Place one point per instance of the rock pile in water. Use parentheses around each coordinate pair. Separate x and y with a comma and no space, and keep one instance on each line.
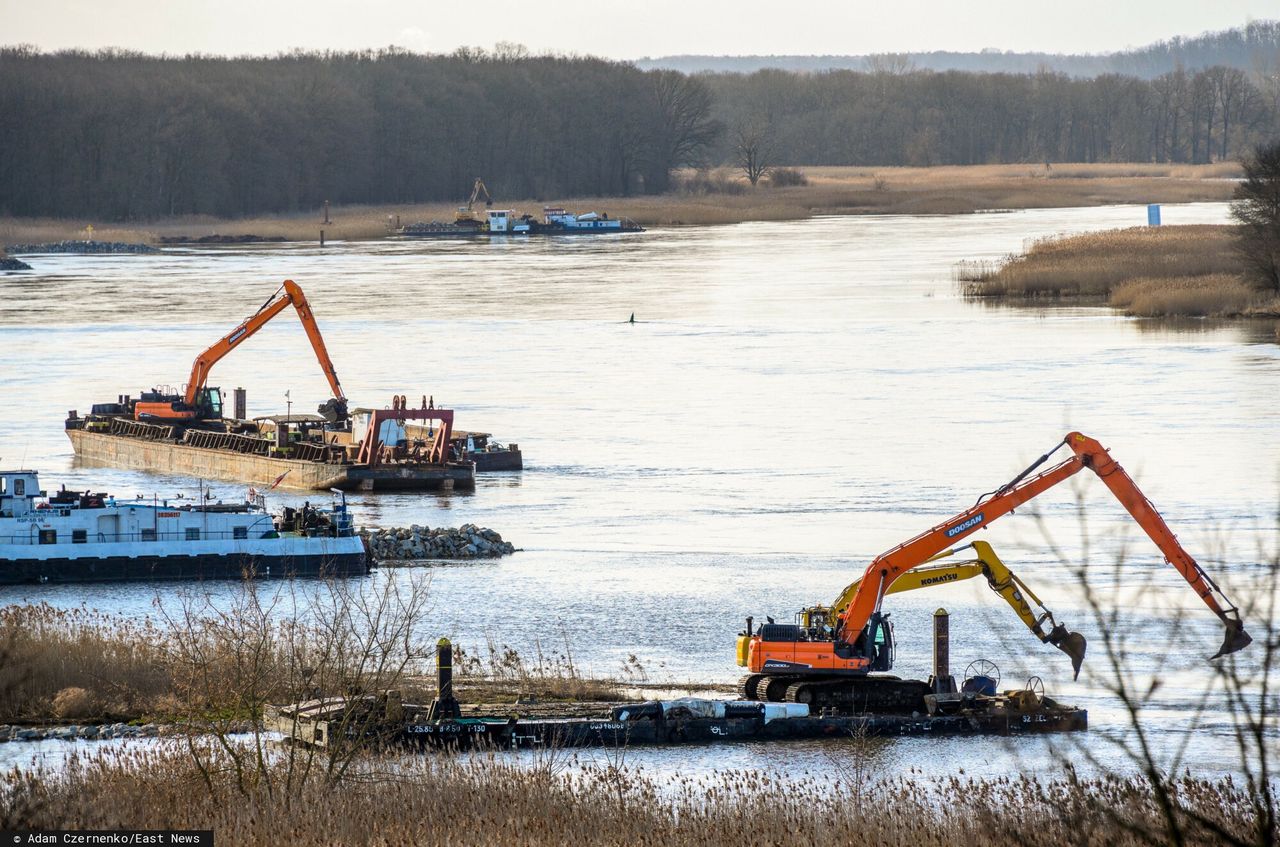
(82,247)
(420,542)
(9,264)
(103,732)
(219,239)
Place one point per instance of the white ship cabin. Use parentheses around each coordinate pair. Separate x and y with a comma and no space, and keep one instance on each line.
(29,517)
(508,221)
(558,217)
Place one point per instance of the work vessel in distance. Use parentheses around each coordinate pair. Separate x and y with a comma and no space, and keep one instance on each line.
(93,537)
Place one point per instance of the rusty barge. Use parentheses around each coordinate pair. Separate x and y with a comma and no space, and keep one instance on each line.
(186,432)
(303,452)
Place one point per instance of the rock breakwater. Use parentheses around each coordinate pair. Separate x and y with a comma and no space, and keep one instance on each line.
(107,731)
(82,247)
(10,264)
(420,542)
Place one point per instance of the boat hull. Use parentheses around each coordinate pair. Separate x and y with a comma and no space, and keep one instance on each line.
(199,566)
(168,457)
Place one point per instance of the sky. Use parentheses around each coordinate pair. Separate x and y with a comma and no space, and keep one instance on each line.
(619,29)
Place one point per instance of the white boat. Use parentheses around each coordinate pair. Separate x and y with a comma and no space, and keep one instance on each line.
(87,537)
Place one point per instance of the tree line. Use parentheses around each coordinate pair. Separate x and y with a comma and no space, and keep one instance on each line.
(1254,48)
(899,116)
(129,136)
(125,136)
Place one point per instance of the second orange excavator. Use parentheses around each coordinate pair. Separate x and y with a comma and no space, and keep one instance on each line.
(200,402)
(830,667)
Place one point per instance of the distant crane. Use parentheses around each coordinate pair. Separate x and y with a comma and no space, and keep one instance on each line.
(465,214)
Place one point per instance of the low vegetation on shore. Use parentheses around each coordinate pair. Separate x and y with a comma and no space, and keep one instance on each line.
(560,799)
(723,196)
(1165,271)
(195,664)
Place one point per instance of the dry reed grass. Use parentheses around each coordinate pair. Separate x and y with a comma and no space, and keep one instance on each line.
(81,664)
(493,801)
(721,197)
(1187,271)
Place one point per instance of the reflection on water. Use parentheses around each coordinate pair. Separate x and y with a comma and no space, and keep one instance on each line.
(793,399)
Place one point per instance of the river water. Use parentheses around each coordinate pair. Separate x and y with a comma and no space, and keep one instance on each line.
(792,399)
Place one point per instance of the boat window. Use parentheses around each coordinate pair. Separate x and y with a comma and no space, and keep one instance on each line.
(48,536)
(240,532)
(79,536)
(19,487)
(193,533)
(148,534)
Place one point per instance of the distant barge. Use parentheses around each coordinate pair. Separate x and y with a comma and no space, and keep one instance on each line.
(505,222)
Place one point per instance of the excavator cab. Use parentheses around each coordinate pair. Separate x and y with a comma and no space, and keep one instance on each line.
(876,643)
(159,407)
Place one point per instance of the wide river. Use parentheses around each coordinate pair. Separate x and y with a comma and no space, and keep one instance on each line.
(792,399)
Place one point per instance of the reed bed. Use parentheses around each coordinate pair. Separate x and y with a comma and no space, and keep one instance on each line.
(1185,271)
(83,665)
(722,196)
(432,800)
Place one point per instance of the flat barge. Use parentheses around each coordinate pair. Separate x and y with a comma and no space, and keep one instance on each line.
(301,452)
(240,458)
(335,721)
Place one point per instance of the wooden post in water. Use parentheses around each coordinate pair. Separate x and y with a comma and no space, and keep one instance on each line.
(322,238)
(942,681)
(445,705)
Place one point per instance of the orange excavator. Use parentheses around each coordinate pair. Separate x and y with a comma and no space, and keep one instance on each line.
(830,667)
(201,402)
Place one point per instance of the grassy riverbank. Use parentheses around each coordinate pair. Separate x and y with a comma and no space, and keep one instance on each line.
(557,799)
(1169,271)
(722,197)
(83,666)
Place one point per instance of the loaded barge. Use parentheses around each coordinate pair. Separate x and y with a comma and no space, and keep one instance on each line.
(185,432)
(93,537)
(297,451)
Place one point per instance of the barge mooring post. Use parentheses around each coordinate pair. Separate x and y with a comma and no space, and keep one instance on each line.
(942,682)
(445,705)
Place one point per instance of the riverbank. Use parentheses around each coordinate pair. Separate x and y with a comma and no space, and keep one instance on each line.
(722,197)
(1167,271)
(86,668)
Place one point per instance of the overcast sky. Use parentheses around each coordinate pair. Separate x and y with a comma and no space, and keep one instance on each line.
(622,29)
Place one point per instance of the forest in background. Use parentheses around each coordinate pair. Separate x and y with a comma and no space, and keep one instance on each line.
(1254,48)
(126,137)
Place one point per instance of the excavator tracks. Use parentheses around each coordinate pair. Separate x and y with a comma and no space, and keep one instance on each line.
(843,695)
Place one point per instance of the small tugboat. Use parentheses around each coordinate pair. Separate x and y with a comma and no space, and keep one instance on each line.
(92,537)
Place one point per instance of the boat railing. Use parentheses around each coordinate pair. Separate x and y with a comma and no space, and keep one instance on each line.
(146,536)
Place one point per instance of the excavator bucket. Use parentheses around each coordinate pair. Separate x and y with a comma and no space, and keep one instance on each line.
(1235,639)
(1071,643)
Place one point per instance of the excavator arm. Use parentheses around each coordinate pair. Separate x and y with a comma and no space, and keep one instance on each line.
(1000,579)
(860,603)
(292,296)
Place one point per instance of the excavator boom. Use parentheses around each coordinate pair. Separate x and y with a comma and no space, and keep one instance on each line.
(1000,579)
(858,605)
(293,296)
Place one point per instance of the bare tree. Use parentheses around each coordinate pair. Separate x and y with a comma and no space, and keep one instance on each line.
(754,146)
